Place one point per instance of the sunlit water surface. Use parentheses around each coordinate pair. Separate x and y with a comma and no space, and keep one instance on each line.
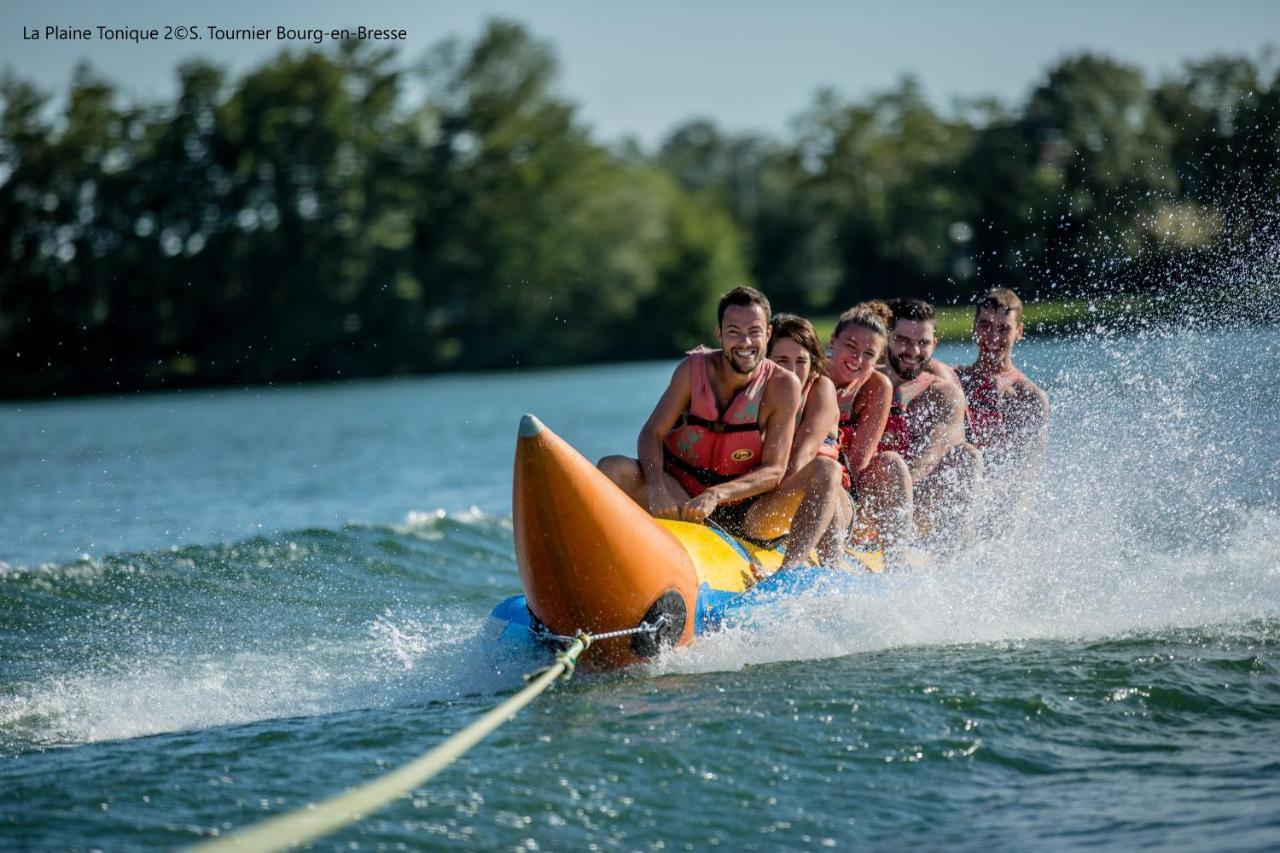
(218,606)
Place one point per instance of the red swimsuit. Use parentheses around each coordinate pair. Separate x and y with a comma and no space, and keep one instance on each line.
(984,421)
(897,436)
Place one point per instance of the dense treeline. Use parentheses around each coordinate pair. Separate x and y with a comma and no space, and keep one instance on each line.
(341,214)
(1097,181)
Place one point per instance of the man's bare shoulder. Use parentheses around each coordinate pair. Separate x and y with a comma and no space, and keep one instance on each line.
(943,392)
(1024,385)
(944,371)
(783,382)
(680,387)
(1029,392)
(941,401)
(683,369)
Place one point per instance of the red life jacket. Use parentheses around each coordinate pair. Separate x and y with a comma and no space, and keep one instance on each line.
(707,448)
(984,420)
(897,436)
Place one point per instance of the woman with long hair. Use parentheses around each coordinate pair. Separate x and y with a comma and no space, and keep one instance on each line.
(794,345)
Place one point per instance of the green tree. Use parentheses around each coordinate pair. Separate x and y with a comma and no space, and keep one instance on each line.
(1094,120)
(27,164)
(881,191)
(541,245)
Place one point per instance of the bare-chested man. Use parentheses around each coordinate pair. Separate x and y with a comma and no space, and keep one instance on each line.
(926,427)
(716,446)
(1008,419)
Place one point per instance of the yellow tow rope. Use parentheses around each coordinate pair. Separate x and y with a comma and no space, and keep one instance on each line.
(312,821)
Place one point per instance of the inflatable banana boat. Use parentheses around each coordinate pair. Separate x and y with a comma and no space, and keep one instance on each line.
(592,560)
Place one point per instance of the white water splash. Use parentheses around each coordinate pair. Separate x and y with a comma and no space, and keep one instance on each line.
(1159,508)
(1048,590)
(405,659)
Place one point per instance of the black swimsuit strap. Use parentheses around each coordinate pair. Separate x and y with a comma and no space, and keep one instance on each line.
(705,476)
(720,426)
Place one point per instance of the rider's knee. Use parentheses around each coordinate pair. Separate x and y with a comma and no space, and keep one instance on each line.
(616,468)
(825,471)
(889,467)
(968,457)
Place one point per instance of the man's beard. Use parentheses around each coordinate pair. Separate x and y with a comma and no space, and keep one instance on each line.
(733,363)
(916,371)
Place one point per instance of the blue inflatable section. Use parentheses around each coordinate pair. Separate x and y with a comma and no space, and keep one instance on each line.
(510,624)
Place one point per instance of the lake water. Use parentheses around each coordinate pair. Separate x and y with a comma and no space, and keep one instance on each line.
(218,606)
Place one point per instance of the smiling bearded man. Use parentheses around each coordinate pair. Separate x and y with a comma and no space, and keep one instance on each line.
(716,446)
(926,427)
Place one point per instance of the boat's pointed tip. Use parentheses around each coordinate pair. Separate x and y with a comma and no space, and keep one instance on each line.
(530,426)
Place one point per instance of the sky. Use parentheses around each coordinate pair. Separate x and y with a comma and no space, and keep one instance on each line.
(642,68)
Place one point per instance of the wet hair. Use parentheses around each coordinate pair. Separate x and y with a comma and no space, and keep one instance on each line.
(745,297)
(916,310)
(1000,299)
(873,315)
(801,331)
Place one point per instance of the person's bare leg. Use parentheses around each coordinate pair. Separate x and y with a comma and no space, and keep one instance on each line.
(831,545)
(625,473)
(946,499)
(1006,501)
(804,503)
(885,503)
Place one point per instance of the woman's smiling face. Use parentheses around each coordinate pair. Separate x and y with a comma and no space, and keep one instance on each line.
(791,355)
(854,354)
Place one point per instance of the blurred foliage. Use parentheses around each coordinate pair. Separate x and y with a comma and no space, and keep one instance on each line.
(1045,317)
(340,214)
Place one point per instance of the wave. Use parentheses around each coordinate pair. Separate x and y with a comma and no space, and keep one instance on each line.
(1158,510)
(311,622)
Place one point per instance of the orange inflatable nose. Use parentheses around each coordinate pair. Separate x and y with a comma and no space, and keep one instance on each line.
(590,558)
